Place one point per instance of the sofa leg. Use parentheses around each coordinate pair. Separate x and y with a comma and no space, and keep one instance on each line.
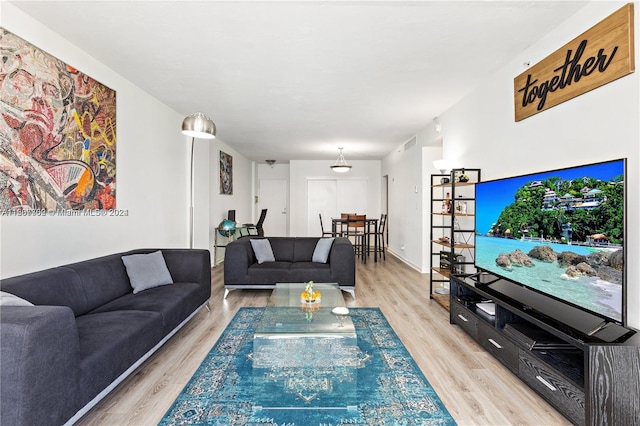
(226,291)
(208,307)
(352,293)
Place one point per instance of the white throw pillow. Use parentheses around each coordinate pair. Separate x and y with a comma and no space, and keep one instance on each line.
(263,251)
(147,271)
(323,247)
(8,299)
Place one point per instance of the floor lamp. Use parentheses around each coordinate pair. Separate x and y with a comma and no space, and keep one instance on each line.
(196,125)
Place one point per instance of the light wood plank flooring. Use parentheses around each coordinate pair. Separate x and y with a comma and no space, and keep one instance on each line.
(475,388)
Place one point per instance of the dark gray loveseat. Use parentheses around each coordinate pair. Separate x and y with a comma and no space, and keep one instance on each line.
(88,331)
(293,263)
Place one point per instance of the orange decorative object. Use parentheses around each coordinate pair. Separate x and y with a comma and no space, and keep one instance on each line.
(305,296)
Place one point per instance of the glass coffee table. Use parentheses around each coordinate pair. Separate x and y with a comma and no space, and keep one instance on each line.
(288,317)
(302,351)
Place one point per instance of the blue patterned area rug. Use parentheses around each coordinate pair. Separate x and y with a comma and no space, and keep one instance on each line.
(309,382)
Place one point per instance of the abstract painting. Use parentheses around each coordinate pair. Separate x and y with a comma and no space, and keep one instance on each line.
(57,133)
(226,174)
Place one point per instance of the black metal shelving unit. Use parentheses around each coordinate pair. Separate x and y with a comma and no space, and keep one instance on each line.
(452,234)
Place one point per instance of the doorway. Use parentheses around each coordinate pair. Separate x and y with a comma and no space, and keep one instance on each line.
(273,195)
(330,197)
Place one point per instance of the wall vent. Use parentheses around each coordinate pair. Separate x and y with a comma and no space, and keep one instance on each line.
(410,143)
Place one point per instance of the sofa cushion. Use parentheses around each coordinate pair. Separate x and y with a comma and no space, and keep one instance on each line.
(321,252)
(110,342)
(8,299)
(175,303)
(270,273)
(283,248)
(147,271)
(310,271)
(103,279)
(304,248)
(262,250)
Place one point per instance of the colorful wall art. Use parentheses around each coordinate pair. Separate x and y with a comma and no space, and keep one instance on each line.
(57,133)
(226,174)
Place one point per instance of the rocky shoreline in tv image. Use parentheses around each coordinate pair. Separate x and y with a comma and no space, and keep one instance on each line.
(589,277)
(605,265)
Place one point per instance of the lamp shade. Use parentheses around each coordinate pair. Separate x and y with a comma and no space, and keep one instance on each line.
(442,165)
(341,165)
(199,125)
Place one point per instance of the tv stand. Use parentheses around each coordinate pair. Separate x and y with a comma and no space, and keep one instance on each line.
(588,369)
(597,328)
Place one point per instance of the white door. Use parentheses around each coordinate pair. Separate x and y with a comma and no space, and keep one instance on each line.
(321,199)
(331,197)
(273,194)
(352,196)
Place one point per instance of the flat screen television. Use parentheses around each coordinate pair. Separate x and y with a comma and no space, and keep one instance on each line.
(560,233)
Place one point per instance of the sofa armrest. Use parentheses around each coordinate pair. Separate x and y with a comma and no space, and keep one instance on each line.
(238,256)
(190,266)
(343,262)
(39,375)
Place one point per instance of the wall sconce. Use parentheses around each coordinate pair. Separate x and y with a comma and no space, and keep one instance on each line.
(436,125)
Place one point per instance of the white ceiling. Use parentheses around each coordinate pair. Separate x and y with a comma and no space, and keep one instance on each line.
(297,79)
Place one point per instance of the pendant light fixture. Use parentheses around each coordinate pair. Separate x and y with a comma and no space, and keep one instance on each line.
(341,166)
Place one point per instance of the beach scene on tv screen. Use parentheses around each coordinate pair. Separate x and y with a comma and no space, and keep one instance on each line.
(558,232)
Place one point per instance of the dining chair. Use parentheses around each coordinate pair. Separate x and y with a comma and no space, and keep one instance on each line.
(324,234)
(257,228)
(343,225)
(356,229)
(382,225)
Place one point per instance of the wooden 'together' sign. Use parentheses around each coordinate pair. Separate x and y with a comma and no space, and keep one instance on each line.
(601,54)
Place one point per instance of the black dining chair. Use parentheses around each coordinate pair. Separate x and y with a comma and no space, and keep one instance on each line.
(257,228)
(382,226)
(324,233)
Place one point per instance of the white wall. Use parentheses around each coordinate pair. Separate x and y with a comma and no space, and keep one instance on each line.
(152,175)
(240,200)
(409,218)
(600,125)
(301,171)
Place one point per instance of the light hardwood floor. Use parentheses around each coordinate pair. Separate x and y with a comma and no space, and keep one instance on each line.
(475,388)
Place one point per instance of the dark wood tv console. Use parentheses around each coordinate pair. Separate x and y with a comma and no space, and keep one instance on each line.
(589,371)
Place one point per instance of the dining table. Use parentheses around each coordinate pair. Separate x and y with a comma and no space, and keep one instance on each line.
(370,228)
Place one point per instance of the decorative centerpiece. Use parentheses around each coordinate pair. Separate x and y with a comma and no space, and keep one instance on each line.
(309,295)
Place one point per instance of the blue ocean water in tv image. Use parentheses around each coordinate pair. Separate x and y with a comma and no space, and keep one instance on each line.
(591,293)
(560,232)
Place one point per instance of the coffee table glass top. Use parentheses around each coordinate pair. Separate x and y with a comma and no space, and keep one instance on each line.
(306,352)
(287,315)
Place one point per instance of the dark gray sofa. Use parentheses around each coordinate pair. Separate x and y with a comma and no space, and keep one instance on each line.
(88,331)
(293,264)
